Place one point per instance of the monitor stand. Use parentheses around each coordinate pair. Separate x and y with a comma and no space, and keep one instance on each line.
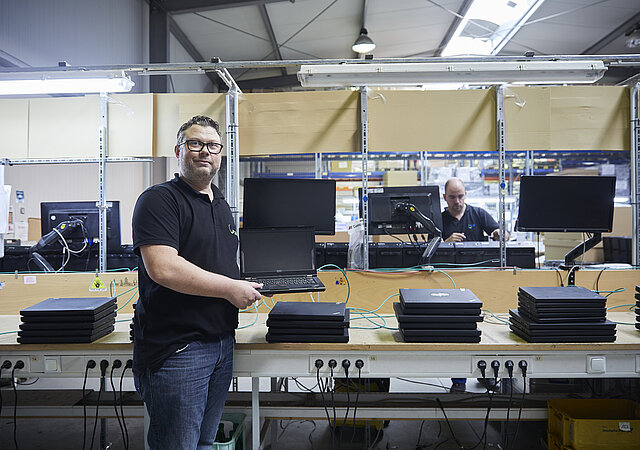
(569,258)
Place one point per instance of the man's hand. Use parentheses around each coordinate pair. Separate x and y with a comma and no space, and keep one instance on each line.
(243,294)
(456,237)
(495,235)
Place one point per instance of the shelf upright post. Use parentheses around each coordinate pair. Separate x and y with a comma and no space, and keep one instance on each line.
(318,164)
(233,164)
(103,149)
(500,146)
(635,174)
(423,168)
(364,149)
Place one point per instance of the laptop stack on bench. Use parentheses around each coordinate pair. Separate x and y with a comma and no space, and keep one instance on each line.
(67,320)
(308,322)
(561,314)
(438,315)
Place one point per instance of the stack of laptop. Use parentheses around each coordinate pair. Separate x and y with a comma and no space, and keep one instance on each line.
(561,314)
(638,307)
(62,320)
(438,315)
(308,322)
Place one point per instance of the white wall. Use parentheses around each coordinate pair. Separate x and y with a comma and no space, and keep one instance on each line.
(79,182)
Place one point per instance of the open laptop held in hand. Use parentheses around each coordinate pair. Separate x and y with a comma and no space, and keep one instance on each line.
(282,259)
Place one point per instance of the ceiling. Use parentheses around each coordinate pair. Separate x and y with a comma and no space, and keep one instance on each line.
(248,30)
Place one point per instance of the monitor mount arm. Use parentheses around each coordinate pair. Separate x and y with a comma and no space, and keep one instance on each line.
(569,258)
(410,210)
(63,229)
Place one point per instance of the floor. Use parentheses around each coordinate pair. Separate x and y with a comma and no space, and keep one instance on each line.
(59,434)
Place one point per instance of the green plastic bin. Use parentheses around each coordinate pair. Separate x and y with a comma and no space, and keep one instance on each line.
(237,441)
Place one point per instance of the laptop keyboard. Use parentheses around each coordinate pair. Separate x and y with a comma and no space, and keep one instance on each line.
(286,281)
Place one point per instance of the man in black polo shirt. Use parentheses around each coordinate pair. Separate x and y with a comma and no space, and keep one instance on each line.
(185,237)
(462,222)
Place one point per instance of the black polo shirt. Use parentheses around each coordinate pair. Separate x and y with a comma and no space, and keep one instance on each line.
(473,223)
(203,232)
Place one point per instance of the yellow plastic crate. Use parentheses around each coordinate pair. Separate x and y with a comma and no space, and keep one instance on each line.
(593,424)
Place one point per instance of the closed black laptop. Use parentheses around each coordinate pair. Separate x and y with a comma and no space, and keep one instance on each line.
(451,315)
(308,311)
(560,328)
(64,339)
(556,293)
(282,259)
(438,299)
(86,306)
(344,337)
(274,323)
(55,325)
(440,339)
(70,317)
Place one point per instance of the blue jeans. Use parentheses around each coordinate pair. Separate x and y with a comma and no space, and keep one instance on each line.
(185,397)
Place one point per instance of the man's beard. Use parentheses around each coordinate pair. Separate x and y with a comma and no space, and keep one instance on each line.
(197,174)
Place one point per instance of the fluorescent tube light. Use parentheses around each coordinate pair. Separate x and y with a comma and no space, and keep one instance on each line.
(64,82)
(478,73)
(488,25)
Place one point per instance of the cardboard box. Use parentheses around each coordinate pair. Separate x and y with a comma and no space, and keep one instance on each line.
(35,230)
(341,166)
(400,178)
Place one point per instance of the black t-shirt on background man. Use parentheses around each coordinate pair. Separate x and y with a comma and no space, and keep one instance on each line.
(203,232)
(473,223)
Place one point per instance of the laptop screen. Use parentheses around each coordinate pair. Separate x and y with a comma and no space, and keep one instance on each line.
(277,251)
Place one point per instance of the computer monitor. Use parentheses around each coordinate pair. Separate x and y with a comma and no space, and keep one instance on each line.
(566,203)
(290,202)
(53,213)
(384,216)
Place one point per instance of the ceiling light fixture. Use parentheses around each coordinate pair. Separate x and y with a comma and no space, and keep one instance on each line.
(363,44)
(478,73)
(488,25)
(64,82)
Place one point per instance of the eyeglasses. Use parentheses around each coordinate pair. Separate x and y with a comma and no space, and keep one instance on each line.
(196,146)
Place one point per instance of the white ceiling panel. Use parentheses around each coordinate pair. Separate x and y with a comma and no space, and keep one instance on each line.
(571,26)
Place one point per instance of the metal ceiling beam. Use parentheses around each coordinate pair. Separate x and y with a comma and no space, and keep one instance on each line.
(191,49)
(272,37)
(187,6)
(612,36)
(453,27)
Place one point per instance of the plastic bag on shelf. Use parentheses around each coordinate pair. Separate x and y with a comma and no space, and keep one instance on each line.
(355,255)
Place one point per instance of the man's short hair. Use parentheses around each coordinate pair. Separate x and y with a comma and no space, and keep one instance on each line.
(203,121)
(453,180)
